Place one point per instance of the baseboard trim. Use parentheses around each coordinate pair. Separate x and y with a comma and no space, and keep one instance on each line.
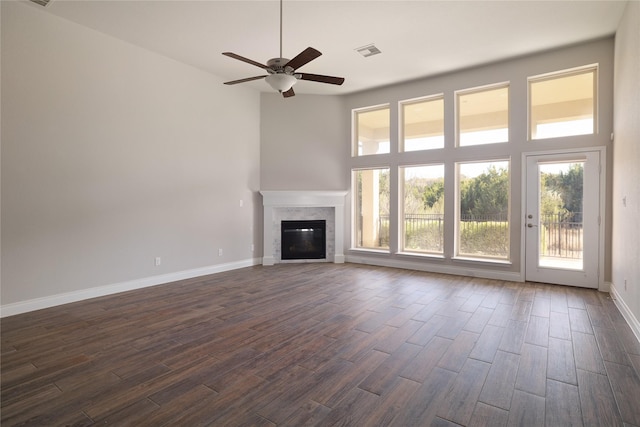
(432,268)
(268,260)
(626,312)
(69,297)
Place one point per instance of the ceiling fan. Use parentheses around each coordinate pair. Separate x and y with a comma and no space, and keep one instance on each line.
(281,72)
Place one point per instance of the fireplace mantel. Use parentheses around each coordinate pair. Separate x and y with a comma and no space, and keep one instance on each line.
(273,200)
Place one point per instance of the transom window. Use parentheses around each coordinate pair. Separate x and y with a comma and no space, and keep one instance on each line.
(562,104)
(371,131)
(483,116)
(422,124)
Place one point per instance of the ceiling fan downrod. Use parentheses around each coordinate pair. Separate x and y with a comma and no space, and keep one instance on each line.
(280,28)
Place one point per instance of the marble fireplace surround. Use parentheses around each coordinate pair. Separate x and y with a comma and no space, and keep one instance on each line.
(280,205)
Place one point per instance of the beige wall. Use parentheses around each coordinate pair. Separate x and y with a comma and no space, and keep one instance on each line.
(112,156)
(626,166)
(302,142)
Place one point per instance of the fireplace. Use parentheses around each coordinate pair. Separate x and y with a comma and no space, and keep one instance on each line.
(303,239)
(282,206)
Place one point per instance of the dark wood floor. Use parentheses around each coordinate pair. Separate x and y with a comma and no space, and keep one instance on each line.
(325,344)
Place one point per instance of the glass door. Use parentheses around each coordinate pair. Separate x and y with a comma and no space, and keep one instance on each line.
(562,223)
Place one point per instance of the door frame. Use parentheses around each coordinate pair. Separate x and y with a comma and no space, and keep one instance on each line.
(601,205)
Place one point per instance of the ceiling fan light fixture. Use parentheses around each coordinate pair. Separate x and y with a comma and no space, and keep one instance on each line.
(280,81)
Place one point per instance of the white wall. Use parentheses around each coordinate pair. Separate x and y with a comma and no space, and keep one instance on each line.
(626,167)
(303,143)
(112,156)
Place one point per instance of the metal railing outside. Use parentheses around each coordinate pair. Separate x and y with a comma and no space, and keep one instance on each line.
(561,235)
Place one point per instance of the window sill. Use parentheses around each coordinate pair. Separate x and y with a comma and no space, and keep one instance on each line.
(371,251)
(420,255)
(483,260)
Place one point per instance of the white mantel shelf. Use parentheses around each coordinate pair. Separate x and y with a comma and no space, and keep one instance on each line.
(272,200)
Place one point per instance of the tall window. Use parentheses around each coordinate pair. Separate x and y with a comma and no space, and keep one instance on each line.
(483,116)
(562,104)
(371,203)
(371,131)
(422,124)
(423,208)
(483,210)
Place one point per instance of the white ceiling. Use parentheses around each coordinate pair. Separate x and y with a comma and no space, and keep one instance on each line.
(417,38)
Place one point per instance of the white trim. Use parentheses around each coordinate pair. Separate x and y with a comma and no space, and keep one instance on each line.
(602,179)
(268,260)
(80,295)
(626,312)
(433,268)
(272,200)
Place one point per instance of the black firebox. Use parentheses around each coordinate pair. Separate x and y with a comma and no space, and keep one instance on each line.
(304,239)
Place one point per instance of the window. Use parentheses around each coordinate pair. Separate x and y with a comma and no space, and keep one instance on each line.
(371,203)
(371,131)
(422,124)
(483,210)
(423,208)
(483,116)
(562,104)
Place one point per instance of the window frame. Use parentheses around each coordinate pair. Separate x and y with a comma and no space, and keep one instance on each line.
(401,122)
(457,214)
(355,210)
(594,68)
(401,213)
(355,128)
(469,91)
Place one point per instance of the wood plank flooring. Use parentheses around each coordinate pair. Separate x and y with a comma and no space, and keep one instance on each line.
(325,344)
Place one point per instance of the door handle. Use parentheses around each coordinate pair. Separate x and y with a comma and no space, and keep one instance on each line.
(531,225)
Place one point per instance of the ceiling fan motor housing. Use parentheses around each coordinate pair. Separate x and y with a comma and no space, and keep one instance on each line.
(278,65)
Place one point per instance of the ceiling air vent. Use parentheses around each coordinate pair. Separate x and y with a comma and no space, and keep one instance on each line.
(368,50)
(43,3)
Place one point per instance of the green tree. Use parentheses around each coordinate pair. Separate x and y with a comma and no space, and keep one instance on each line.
(432,193)
(568,186)
(486,194)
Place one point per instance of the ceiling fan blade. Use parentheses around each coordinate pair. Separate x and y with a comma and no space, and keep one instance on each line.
(304,57)
(243,59)
(289,93)
(248,79)
(322,79)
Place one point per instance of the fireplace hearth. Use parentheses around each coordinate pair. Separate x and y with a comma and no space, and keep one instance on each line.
(303,239)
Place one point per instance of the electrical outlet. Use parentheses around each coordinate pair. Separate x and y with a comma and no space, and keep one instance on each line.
(252,247)
(241,203)
(220,252)
(158,261)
